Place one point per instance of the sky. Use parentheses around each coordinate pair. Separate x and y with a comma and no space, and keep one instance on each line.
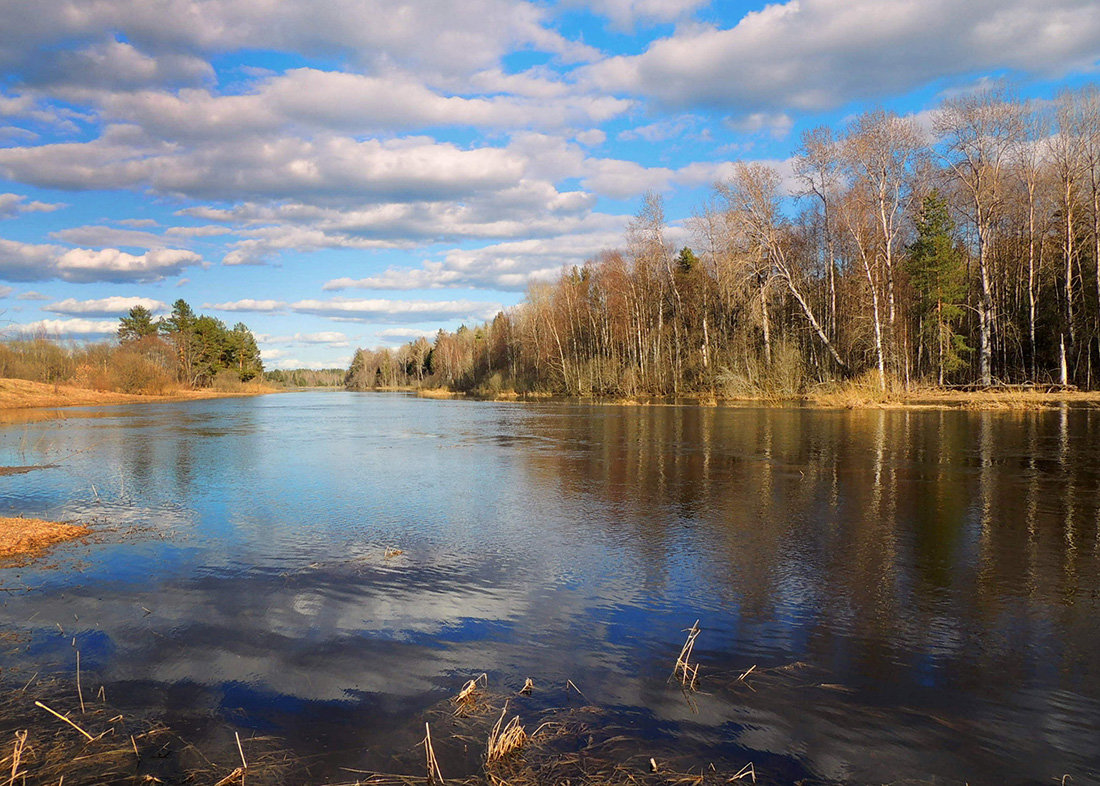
(356,173)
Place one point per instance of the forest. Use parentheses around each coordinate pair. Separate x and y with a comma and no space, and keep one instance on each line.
(185,350)
(959,249)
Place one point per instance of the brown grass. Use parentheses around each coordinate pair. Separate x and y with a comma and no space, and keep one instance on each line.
(24,394)
(865,393)
(438,393)
(684,670)
(505,739)
(29,536)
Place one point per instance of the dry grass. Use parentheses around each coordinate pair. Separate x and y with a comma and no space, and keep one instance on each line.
(865,392)
(437,393)
(467,700)
(19,537)
(684,670)
(505,739)
(24,394)
(582,746)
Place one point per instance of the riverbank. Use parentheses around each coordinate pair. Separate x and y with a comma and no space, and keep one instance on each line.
(827,397)
(19,394)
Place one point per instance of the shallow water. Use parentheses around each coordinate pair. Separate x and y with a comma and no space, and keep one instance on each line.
(919,591)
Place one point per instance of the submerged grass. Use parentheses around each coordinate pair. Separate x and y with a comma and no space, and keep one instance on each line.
(21,537)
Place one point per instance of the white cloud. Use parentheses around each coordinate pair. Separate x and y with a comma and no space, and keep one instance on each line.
(103,307)
(404,334)
(101,236)
(117,65)
(383,310)
(39,262)
(627,14)
(329,338)
(248,305)
(502,266)
(5,291)
(305,99)
(808,55)
(13,204)
(68,328)
(395,170)
(465,35)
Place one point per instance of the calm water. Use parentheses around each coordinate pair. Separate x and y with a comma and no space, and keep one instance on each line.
(919,591)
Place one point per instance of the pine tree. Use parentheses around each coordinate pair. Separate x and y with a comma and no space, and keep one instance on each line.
(137,325)
(936,270)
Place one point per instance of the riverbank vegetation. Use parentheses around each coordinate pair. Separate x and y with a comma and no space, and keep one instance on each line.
(19,536)
(176,355)
(888,257)
(306,377)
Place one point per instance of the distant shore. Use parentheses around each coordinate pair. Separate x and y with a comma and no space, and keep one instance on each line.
(831,398)
(22,394)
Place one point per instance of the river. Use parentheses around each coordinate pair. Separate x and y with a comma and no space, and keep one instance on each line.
(916,592)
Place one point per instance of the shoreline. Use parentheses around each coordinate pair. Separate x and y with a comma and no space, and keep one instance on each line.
(22,399)
(919,399)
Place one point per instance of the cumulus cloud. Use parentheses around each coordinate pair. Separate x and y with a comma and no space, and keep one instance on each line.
(14,204)
(41,262)
(260,306)
(404,334)
(330,338)
(69,328)
(117,65)
(102,236)
(806,55)
(397,311)
(371,170)
(305,99)
(627,14)
(104,307)
(376,33)
(510,266)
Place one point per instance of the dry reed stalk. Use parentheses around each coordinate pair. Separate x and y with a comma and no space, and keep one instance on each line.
(528,686)
(17,755)
(430,761)
(62,717)
(752,668)
(748,771)
(468,694)
(683,669)
(237,773)
(505,740)
(79,692)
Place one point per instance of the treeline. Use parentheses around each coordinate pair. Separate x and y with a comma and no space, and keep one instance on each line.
(964,253)
(199,348)
(306,377)
(182,350)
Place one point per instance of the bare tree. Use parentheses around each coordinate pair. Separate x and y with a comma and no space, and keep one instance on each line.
(979,133)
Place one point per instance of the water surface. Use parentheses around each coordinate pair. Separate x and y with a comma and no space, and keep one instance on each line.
(918,590)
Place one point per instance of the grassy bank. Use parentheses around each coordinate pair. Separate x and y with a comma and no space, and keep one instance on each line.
(838,396)
(25,394)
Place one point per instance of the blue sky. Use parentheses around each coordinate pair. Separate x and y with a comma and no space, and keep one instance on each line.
(343,173)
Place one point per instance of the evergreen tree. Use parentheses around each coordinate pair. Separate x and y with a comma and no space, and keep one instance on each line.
(936,270)
(243,354)
(136,325)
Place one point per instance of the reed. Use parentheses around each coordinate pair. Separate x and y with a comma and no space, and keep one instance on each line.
(505,738)
(431,763)
(684,670)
